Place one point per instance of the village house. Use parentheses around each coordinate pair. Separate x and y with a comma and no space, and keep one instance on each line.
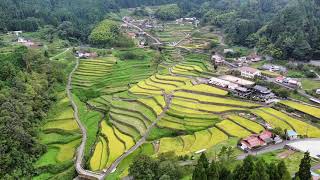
(291,134)
(192,20)
(280,79)
(83,54)
(254,57)
(291,82)
(262,89)
(217,59)
(273,68)
(222,83)
(251,142)
(249,72)
(257,140)
(225,51)
(236,80)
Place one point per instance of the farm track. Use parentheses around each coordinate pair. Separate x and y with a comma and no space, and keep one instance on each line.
(80,151)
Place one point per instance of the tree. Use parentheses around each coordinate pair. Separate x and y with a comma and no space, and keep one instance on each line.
(244,171)
(261,170)
(213,171)
(168,12)
(143,168)
(201,169)
(283,171)
(304,168)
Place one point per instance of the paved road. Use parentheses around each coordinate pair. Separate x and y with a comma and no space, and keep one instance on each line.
(141,30)
(168,98)
(271,148)
(80,151)
(300,91)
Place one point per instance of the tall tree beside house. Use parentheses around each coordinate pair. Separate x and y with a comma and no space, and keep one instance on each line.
(304,168)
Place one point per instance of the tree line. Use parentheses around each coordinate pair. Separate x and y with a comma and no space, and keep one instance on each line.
(224,166)
(280,28)
(251,168)
(76,17)
(28,84)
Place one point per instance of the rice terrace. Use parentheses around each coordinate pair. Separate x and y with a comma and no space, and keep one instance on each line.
(193,90)
(128,107)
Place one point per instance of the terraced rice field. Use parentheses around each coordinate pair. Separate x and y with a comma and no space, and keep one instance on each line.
(174,32)
(91,71)
(204,89)
(158,84)
(198,106)
(61,135)
(299,126)
(303,108)
(213,100)
(112,143)
(191,143)
(233,129)
(271,120)
(252,126)
(185,123)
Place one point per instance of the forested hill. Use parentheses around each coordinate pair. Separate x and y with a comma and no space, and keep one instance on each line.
(76,16)
(281,28)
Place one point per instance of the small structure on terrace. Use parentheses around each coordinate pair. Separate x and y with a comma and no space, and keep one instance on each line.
(218,59)
(291,134)
(84,54)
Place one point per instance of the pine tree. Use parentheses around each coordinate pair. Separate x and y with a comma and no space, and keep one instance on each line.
(201,169)
(273,172)
(304,168)
(261,170)
(213,171)
(283,171)
(246,169)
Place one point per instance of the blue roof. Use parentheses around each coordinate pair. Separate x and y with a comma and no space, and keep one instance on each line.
(292,133)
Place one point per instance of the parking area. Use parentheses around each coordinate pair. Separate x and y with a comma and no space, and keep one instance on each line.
(313,146)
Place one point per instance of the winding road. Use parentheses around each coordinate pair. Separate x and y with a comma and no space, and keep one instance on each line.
(80,151)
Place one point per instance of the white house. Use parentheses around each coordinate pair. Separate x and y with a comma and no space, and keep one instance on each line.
(318,91)
(249,72)
(217,59)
